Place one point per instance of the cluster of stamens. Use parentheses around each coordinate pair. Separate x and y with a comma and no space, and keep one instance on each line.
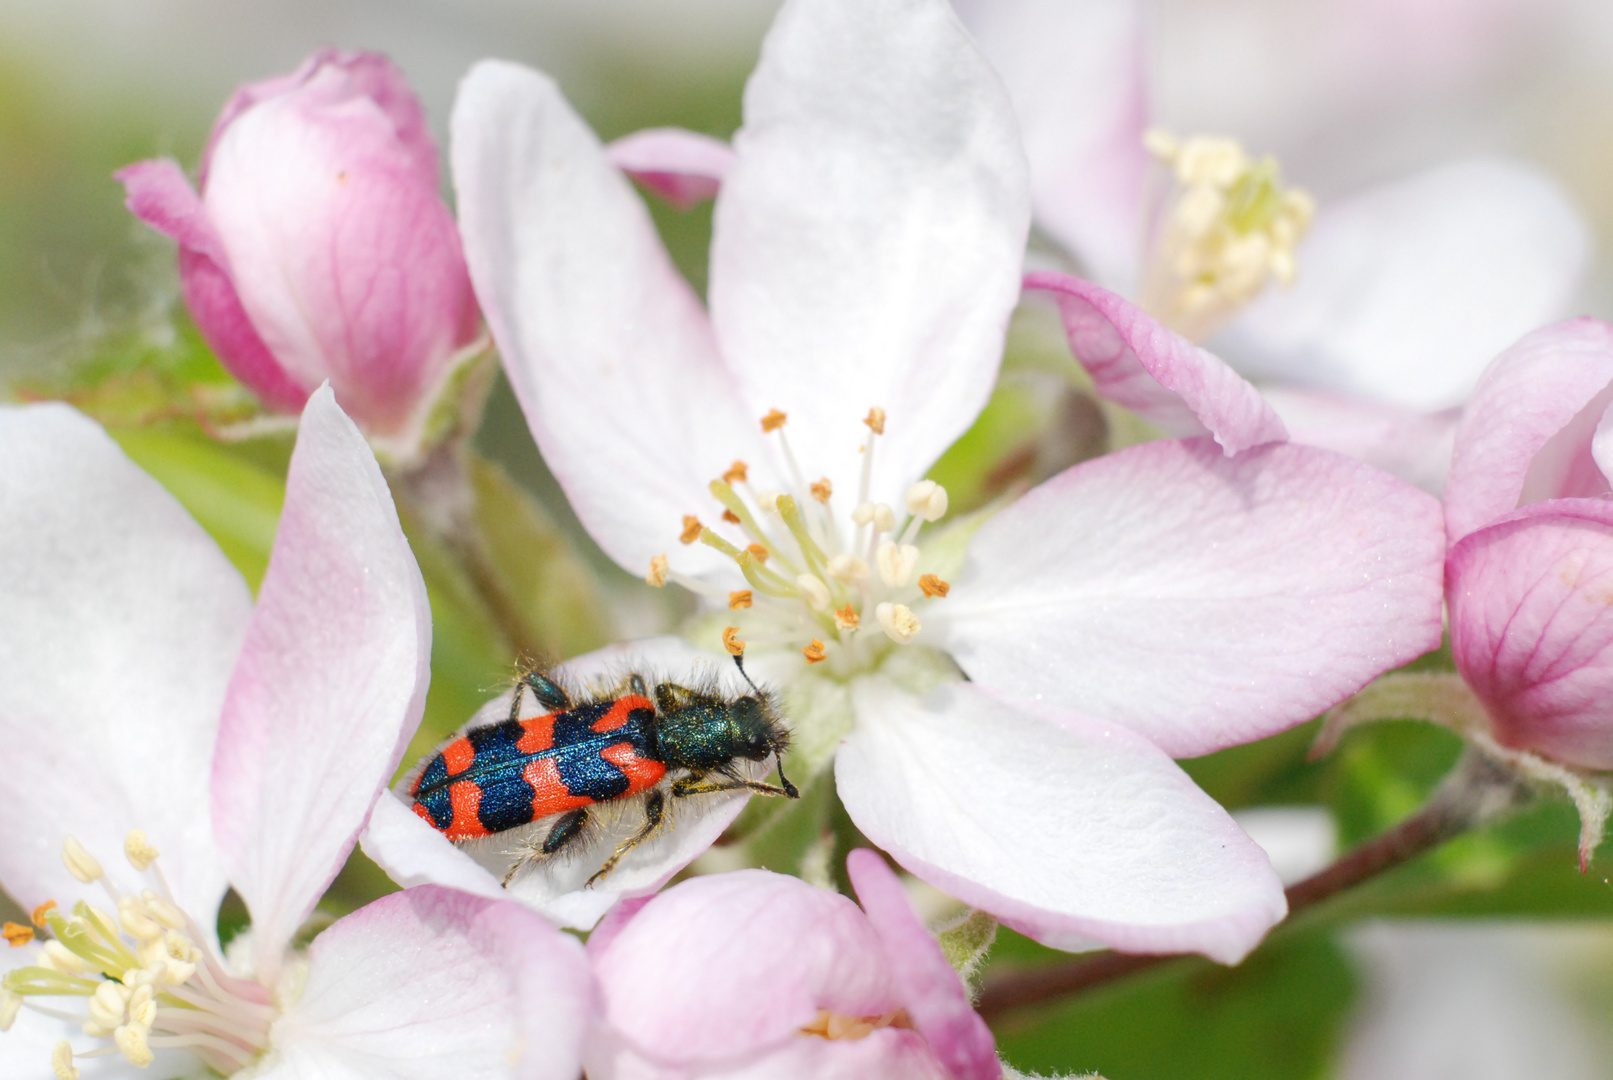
(833,1025)
(1228,228)
(147,981)
(809,577)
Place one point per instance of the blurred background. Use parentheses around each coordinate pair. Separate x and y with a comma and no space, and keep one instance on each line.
(1497,958)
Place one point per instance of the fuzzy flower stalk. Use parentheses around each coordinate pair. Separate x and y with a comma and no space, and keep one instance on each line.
(318,247)
(167,738)
(767,451)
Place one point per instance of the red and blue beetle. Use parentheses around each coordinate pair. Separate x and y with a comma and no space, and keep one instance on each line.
(602,749)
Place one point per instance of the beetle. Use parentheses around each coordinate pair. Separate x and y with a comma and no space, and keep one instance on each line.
(587,750)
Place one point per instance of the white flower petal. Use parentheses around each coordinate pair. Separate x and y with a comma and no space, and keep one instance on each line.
(1077,76)
(869,237)
(1200,600)
(1407,290)
(432,983)
(1066,829)
(1413,445)
(330,685)
(606,347)
(120,620)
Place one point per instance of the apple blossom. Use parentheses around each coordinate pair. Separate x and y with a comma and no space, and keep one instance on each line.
(1402,291)
(845,992)
(867,253)
(319,247)
(149,707)
(1529,572)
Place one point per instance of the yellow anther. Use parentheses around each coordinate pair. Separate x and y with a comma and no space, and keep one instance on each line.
(106,1005)
(731,517)
(875,420)
(848,568)
(139,851)
(822,490)
(846,619)
(814,653)
(739,598)
(933,586)
(737,473)
(61,1060)
(813,591)
(927,499)
(773,420)
(898,622)
(758,552)
(135,920)
(658,571)
(131,1039)
(691,529)
(731,641)
(17,934)
(42,912)
(896,562)
(163,911)
(79,862)
(884,518)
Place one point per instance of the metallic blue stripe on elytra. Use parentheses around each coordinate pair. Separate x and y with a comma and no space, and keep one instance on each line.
(506,802)
(440,805)
(434,776)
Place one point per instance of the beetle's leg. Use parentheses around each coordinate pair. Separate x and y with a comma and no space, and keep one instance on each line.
(515,702)
(548,692)
(561,833)
(652,818)
(699,785)
(635,684)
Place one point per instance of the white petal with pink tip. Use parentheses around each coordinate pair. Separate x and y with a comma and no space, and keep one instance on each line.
(1200,600)
(1066,829)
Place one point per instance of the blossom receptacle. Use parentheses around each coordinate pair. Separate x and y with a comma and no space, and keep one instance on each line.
(319,246)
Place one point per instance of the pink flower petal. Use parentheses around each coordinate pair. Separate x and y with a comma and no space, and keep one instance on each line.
(889,1053)
(1531,603)
(1155,372)
(783,948)
(1200,600)
(1077,74)
(159,195)
(1066,829)
(329,687)
(931,991)
(683,167)
(605,345)
(431,983)
(1531,418)
(869,237)
(1415,446)
(120,620)
(1406,290)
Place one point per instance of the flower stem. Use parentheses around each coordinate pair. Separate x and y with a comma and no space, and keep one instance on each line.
(1476,792)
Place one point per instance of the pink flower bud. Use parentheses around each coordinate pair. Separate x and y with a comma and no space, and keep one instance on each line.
(319,247)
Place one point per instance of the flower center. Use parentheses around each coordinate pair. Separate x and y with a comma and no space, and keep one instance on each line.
(148,980)
(818,582)
(833,1025)
(1228,227)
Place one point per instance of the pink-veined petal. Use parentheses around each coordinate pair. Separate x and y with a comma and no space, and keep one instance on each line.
(683,167)
(1066,829)
(931,990)
(433,983)
(606,347)
(1415,446)
(1531,418)
(120,621)
(330,685)
(159,195)
(784,949)
(1200,600)
(1155,372)
(1531,603)
(412,852)
(889,1053)
(1407,290)
(1077,77)
(869,237)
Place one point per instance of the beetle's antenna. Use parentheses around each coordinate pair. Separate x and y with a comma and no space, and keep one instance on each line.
(739,662)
